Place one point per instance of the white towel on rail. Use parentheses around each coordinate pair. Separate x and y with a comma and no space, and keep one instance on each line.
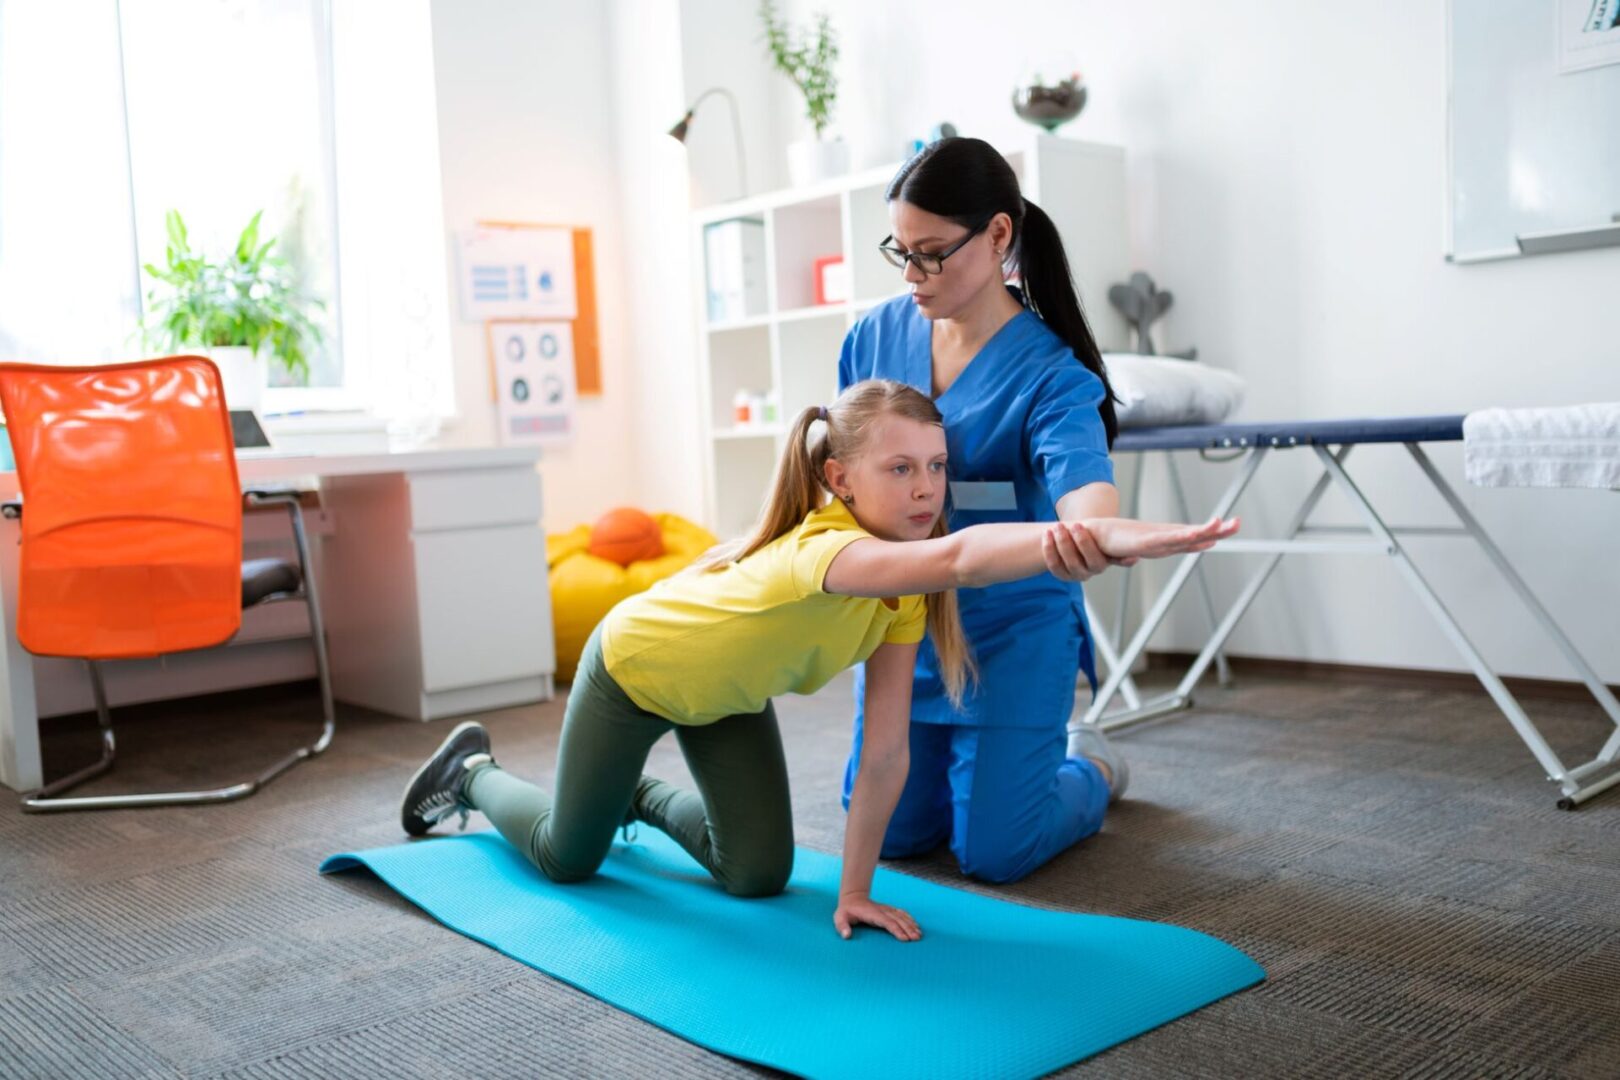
(1570,446)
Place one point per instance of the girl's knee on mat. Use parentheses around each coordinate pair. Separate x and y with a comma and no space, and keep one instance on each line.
(564,875)
(757,880)
(565,872)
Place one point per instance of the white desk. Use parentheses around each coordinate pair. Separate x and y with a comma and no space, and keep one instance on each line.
(432,573)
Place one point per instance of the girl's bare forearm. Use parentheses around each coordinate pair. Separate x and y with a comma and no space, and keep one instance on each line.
(871,804)
(991,554)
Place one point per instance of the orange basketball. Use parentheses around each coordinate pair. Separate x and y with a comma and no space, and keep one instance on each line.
(625,536)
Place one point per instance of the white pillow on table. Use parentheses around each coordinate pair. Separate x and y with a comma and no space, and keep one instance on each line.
(1158,391)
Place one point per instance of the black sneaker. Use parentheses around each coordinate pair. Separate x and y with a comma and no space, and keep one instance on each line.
(434,793)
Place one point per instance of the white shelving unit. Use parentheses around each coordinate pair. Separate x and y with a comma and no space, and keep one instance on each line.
(792,347)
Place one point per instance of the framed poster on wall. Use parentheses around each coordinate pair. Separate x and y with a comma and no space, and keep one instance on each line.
(587,340)
(532,367)
(1588,34)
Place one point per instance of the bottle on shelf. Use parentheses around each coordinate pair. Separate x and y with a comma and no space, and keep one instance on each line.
(742,409)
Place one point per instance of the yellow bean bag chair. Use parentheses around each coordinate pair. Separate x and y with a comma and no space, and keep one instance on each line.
(584,588)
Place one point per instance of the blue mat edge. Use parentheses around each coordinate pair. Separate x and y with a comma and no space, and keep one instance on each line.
(346,861)
(351,861)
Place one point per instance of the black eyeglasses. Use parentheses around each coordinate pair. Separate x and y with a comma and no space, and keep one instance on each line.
(930,263)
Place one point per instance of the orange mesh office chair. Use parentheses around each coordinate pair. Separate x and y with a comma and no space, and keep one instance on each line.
(132,535)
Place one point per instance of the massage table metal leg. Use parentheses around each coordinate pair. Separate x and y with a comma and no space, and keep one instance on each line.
(1189,563)
(1102,643)
(1252,589)
(1223,671)
(1505,701)
(1609,756)
(1131,509)
(1102,638)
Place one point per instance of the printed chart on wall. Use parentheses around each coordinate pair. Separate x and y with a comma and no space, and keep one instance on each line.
(515,271)
(535,391)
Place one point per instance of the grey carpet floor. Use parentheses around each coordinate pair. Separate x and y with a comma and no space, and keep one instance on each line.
(1392,857)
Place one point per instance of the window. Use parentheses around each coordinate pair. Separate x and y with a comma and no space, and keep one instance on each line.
(229,104)
(67,255)
(321,113)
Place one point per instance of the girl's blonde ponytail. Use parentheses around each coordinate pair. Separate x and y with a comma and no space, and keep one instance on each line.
(796,490)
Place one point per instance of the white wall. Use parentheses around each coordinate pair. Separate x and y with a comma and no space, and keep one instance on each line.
(655,201)
(722,43)
(527,133)
(1288,175)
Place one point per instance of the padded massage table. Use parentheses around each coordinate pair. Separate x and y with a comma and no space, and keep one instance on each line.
(1331,441)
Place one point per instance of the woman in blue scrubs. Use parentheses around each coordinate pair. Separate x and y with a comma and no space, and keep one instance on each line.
(1029,418)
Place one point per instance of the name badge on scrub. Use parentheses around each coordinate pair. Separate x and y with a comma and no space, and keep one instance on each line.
(983,495)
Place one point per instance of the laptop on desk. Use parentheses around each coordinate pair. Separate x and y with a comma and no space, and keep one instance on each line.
(250,438)
(247,432)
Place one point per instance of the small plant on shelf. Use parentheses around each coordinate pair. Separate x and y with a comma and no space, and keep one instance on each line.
(807,59)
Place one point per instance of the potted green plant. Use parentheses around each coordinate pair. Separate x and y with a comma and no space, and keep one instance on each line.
(231,310)
(808,59)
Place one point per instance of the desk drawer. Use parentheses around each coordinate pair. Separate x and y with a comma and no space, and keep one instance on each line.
(484,606)
(472,498)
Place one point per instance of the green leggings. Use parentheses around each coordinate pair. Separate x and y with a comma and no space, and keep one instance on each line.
(738,824)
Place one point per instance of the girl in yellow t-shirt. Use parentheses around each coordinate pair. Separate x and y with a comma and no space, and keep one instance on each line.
(812,590)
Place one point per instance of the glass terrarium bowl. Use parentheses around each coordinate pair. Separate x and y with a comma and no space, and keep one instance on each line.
(1049,103)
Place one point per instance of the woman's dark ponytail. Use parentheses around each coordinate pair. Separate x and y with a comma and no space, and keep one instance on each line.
(969,182)
(1048,286)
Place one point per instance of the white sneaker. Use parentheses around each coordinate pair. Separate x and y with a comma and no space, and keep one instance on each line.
(1087,740)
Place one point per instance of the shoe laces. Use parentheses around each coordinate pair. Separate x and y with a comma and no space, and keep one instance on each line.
(440,805)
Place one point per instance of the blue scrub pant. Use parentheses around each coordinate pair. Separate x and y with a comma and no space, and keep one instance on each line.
(1006,797)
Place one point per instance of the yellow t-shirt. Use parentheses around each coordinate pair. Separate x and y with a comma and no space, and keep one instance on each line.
(708,644)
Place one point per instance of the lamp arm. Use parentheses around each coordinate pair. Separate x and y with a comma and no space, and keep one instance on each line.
(736,127)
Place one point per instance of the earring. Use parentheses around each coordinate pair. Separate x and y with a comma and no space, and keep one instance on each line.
(848,499)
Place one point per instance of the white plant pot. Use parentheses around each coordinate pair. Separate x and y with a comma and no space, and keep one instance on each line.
(245,375)
(813,160)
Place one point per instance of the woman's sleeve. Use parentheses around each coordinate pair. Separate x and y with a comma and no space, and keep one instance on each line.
(1068,444)
(847,375)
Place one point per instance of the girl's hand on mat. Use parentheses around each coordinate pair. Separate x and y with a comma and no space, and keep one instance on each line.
(1124,538)
(1072,552)
(858,909)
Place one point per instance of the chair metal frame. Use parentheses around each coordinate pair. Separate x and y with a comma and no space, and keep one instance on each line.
(47,799)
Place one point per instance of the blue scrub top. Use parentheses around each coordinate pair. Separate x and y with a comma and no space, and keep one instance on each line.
(1022,430)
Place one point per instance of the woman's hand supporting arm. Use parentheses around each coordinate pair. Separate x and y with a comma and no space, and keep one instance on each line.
(879,778)
(1080,558)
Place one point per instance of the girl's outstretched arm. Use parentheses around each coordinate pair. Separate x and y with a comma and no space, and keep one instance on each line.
(987,554)
(880,776)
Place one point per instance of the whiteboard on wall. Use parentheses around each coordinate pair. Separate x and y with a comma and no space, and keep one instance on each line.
(1534,128)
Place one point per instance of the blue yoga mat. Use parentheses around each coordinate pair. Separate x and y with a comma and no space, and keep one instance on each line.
(992,989)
